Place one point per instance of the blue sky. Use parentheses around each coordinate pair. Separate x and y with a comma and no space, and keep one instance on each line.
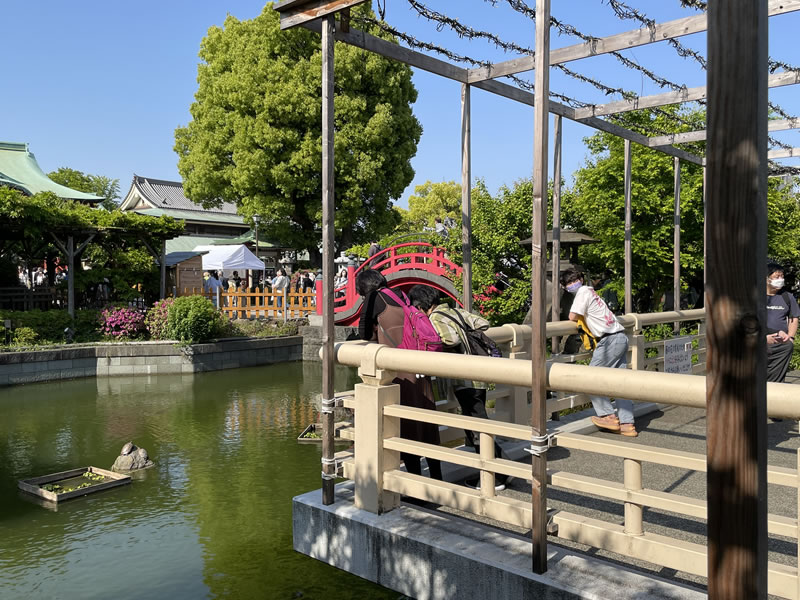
(101,86)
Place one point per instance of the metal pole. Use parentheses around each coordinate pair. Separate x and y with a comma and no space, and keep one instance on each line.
(736,313)
(628,249)
(466,198)
(556,287)
(676,274)
(328,467)
(541,125)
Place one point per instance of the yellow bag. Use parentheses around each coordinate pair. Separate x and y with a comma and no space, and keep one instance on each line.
(589,341)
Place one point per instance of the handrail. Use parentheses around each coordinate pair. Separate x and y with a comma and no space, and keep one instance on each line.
(783,400)
(635,321)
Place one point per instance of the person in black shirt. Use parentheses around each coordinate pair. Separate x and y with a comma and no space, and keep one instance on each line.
(782,314)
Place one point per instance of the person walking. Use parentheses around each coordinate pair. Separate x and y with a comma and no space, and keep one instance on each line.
(279,284)
(591,312)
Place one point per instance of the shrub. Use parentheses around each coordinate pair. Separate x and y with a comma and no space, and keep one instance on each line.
(156,319)
(122,322)
(24,336)
(49,325)
(259,328)
(193,319)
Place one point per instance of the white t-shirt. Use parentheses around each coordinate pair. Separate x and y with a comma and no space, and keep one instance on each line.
(598,316)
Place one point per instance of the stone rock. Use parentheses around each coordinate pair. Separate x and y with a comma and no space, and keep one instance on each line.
(132,458)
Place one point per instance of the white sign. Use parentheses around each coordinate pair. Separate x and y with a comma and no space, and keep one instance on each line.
(678,355)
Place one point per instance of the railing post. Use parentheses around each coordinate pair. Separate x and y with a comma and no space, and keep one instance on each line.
(517,410)
(318,289)
(797,577)
(637,351)
(285,302)
(487,477)
(632,480)
(371,460)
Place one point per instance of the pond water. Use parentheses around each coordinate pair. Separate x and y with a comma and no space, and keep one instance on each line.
(212,519)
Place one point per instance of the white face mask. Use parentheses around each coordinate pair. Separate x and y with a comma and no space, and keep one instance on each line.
(776,283)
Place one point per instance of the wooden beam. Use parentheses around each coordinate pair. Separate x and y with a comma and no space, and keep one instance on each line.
(736,313)
(621,41)
(298,12)
(628,221)
(412,58)
(541,126)
(328,272)
(676,97)
(466,197)
(514,93)
(700,135)
(784,153)
(555,313)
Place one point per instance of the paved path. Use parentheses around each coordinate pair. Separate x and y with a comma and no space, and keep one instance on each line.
(676,428)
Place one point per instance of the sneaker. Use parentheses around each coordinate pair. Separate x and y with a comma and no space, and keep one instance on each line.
(608,422)
(475,484)
(628,429)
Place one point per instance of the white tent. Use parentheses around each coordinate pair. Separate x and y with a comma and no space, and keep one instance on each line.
(226,258)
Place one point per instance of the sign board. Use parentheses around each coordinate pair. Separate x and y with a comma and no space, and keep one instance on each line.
(678,355)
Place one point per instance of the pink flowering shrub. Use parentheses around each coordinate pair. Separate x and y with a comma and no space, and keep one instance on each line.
(156,319)
(122,322)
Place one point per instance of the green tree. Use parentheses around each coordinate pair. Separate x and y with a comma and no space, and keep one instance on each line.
(99,185)
(431,200)
(596,206)
(255,135)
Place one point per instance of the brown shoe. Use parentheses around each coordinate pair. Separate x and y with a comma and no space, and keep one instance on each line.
(608,422)
(628,429)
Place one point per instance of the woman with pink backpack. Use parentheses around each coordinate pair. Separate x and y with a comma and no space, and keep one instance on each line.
(384,320)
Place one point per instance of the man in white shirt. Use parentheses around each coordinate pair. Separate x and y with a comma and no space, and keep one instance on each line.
(611,350)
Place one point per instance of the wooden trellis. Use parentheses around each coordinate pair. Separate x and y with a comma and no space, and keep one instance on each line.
(735,193)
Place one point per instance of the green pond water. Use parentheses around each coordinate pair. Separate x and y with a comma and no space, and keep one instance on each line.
(212,519)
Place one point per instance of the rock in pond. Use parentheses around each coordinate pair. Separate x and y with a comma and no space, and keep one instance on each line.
(132,458)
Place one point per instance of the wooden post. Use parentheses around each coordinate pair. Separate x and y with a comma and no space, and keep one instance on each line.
(71,277)
(328,468)
(163,263)
(736,314)
(466,198)
(628,249)
(556,252)
(541,125)
(676,220)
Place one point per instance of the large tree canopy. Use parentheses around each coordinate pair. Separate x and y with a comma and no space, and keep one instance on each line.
(255,136)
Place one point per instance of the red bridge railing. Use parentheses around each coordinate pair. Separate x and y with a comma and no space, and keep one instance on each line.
(411,257)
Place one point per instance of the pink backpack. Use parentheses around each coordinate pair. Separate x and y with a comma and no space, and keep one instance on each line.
(418,332)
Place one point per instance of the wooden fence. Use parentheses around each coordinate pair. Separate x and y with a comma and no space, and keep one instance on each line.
(260,302)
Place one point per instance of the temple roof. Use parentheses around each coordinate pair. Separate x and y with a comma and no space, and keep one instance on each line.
(168,198)
(19,170)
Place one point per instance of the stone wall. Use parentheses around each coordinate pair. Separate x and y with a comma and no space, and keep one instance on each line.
(312,339)
(144,358)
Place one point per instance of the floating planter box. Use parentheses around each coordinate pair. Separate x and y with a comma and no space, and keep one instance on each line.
(313,433)
(57,487)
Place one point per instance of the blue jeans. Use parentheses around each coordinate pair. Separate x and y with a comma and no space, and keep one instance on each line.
(612,352)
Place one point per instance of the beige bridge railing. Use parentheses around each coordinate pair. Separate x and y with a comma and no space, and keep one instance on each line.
(379,482)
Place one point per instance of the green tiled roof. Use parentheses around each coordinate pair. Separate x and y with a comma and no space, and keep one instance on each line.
(187,243)
(192,215)
(19,169)
(250,237)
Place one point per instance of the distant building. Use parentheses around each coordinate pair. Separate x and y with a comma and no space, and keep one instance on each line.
(20,171)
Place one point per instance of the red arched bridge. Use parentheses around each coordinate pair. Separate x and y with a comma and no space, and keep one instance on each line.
(403,266)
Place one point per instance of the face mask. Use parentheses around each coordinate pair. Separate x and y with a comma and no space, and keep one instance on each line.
(574,287)
(776,283)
